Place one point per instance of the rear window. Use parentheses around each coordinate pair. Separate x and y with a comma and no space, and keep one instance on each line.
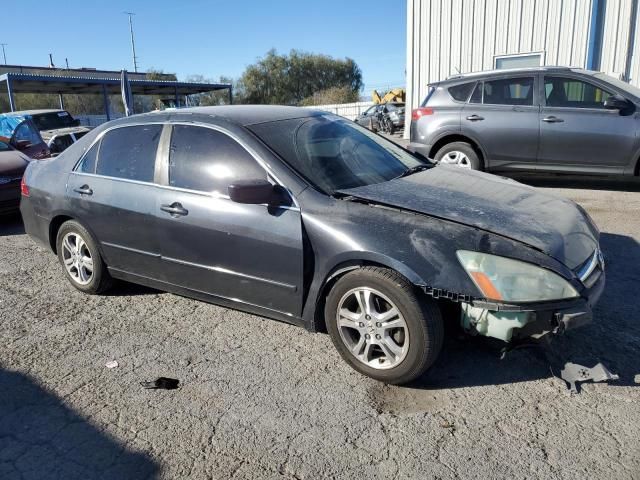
(429,93)
(53,120)
(461,93)
(129,152)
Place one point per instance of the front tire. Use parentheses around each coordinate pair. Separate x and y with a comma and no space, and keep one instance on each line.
(381,327)
(79,256)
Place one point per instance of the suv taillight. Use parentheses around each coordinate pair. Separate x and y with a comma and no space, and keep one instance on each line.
(24,190)
(421,112)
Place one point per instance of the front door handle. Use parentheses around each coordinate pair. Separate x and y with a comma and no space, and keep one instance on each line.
(552,119)
(475,118)
(84,190)
(175,209)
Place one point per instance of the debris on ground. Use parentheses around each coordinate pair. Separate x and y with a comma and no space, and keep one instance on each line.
(572,373)
(162,383)
(111,364)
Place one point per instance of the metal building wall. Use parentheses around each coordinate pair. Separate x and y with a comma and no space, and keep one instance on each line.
(445,37)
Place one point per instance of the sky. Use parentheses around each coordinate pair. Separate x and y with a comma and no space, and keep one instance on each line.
(209,38)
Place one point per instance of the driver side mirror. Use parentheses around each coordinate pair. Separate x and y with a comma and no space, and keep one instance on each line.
(617,102)
(257,192)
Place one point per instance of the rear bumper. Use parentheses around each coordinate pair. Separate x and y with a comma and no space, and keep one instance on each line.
(37,227)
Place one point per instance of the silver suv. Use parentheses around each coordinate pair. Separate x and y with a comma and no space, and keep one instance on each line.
(553,119)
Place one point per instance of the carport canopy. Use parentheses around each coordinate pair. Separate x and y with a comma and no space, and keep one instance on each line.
(14,83)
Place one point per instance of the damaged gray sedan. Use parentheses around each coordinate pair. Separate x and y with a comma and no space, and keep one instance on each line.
(307,218)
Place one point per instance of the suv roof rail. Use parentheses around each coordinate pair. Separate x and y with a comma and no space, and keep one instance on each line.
(510,70)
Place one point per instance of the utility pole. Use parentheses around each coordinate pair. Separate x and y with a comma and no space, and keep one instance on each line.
(4,54)
(133,45)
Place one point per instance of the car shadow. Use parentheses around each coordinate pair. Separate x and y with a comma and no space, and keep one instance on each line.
(41,437)
(613,338)
(583,182)
(11,225)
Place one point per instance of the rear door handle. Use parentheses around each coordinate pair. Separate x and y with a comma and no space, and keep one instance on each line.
(84,190)
(175,209)
(474,118)
(552,119)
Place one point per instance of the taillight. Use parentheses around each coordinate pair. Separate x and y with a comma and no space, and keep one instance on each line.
(421,112)
(24,190)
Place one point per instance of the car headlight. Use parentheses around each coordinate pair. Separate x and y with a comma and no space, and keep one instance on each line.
(500,278)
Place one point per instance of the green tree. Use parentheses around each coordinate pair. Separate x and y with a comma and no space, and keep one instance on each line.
(293,78)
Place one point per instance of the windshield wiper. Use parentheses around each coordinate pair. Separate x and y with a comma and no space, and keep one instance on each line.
(412,170)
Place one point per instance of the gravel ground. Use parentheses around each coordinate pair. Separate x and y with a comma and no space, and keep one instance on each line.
(262,399)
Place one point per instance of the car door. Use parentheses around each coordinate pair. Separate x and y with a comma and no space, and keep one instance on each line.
(251,254)
(577,133)
(502,117)
(112,193)
(369,117)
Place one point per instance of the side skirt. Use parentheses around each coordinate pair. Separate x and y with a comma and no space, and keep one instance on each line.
(206,297)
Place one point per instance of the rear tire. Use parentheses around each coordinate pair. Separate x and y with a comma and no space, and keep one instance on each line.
(460,154)
(80,258)
(394,347)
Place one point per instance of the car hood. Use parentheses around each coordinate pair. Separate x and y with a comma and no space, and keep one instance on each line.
(49,134)
(551,224)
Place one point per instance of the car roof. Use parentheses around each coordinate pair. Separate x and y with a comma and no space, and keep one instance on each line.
(37,112)
(511,71)
(246,114)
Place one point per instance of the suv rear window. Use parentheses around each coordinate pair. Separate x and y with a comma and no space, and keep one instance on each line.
(461,92)
(429,93)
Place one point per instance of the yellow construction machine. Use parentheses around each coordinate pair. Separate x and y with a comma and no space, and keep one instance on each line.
(396,95)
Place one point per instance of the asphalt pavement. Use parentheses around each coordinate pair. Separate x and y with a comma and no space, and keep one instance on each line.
(262,399)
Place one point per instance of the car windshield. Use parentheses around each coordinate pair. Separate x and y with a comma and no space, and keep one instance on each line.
(53,120)
(334,154)
(627,87)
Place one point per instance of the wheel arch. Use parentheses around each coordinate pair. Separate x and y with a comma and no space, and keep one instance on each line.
(54,226)
(343,267)
(458,137)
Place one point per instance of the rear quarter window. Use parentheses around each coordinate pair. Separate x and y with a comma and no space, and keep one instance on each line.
(461,93)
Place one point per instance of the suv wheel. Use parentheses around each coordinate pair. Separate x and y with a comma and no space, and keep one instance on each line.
(381,327)
(79,255)
(460,154)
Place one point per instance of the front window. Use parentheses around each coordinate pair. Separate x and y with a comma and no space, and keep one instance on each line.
(573,93)
(209,161)
(624,86)
(335,154)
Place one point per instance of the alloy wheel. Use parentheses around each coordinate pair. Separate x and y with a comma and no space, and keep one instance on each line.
(456,158)
(372,328)
(77,258)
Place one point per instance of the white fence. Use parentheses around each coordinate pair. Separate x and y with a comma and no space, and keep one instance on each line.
(347,110)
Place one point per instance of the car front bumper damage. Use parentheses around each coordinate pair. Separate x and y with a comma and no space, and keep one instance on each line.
(513,322)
